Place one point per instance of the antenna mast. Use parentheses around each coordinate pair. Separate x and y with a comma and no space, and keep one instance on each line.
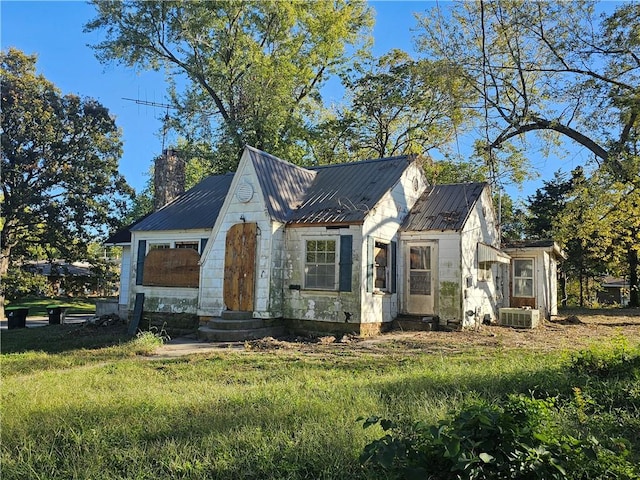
(165,120)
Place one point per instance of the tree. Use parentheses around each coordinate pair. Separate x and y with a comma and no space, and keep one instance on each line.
(61,187)
(241,72)
(549,68)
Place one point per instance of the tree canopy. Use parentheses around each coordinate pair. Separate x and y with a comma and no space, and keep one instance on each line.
(560,70)
(242,72)
(61,186)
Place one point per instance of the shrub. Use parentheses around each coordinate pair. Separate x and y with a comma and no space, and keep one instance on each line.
(516,440)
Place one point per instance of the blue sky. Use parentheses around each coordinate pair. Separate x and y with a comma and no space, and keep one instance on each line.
(54,31)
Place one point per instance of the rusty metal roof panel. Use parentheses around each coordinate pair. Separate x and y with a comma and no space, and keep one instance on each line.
(443,207)
(195,209)
(346,192)
(283,184)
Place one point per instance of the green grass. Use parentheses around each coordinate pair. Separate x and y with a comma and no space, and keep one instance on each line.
(38,306)
(103,411)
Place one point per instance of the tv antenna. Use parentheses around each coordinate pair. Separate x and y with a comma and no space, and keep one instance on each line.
(165,120)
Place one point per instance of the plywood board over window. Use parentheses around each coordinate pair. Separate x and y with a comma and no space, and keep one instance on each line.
(172,267)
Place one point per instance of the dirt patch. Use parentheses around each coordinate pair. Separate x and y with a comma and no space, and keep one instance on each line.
(574,330)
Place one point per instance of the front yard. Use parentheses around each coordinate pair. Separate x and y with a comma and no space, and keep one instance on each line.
(112,407)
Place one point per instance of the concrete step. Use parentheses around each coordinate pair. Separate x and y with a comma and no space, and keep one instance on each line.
(235,315)
(416,322)
(225,324)
(217,335)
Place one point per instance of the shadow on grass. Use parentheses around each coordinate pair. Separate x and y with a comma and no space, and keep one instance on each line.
(291,431)
(61,338)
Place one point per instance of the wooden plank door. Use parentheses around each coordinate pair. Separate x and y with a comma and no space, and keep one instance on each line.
(239,267)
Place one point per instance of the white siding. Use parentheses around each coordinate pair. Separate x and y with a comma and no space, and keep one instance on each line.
(480,297)
(382,224)
(125,277)
(233,212)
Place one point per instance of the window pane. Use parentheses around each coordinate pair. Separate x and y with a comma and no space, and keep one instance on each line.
(523,287)
(320,264)
(420,258)
(523,268)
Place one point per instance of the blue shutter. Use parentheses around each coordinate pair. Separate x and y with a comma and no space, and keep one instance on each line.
(394,268)
(346,262)
(142,252)
(203,244)
(370,265)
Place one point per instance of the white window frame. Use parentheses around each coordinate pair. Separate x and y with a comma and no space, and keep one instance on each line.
(516,283)
(151,245)
(158,246)
(485,271)
(306,264)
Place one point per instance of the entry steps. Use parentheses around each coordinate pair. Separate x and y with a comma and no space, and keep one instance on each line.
(238,327)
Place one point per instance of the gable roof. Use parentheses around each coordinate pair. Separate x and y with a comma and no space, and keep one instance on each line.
(283,184)
(195,209)
(346,192)
(443,207)
(340,193)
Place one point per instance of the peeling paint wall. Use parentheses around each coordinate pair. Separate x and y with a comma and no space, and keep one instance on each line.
(382,225)
(318,305)
(447,278)
(480,297)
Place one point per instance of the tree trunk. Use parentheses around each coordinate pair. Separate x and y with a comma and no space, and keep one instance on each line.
(634,293)
(581,286)
(563,288)
(4,268)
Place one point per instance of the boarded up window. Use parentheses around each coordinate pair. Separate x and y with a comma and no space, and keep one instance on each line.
(172,267)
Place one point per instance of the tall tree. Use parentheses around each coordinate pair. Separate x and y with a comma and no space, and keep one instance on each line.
(551,68)
(241,72)
(61,185)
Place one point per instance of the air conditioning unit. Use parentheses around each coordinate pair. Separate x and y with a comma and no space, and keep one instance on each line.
(519,317)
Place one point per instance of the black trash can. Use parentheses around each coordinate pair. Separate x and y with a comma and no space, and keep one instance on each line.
(16,317)
(55,314)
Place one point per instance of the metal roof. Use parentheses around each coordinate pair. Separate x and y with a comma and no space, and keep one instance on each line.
(196,208)
(346,192)
(443,207)
(283,184)
(340,193)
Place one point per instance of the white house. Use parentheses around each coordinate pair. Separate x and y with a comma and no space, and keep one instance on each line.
(338,248)
(533,277)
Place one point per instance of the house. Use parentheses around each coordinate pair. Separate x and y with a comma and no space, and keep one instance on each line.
(613,291)
(68,278)
(533,278)
(338,248)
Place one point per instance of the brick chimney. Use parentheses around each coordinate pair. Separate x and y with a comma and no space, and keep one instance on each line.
(168,180)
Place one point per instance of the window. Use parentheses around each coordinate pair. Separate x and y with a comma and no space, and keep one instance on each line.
(484,272)
(381,260)
(523,277)
(320,265)
(192,245)
(153,246)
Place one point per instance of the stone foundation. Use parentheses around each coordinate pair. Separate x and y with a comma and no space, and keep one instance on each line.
(315,327)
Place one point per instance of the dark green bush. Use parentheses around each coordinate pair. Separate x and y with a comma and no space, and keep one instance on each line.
(518,439)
